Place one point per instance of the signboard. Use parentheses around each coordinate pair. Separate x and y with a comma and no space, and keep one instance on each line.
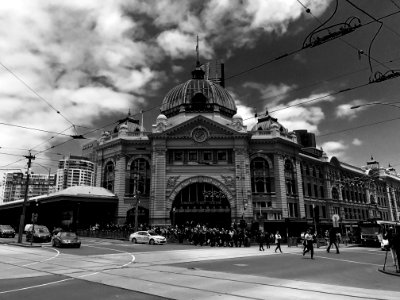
(335,220)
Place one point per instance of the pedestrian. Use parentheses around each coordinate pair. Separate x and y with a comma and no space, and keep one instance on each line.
(267,240)
(389,235)
(260,238)
(278,241)
(309,238)
(332,240)
(396,247)
(303,239)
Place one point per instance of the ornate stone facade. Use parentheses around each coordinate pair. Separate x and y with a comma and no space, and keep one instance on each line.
(200,163)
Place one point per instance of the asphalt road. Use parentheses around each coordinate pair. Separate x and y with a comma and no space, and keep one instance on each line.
(354,267)
(112,269)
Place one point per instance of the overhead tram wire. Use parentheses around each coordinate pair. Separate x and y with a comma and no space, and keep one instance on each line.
(60,133)
(34,92)
(301,49)
(349,44)
(357,127)
(31,128)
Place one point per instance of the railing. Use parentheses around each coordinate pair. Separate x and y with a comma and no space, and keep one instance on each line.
(105,234)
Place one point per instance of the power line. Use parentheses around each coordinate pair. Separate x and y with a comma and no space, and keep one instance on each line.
(35,129)
(358,127)
(34,92)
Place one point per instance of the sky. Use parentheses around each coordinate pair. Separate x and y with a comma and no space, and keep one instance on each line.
(74,67)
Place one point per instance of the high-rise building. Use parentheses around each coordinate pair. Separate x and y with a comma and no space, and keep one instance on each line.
(75,171)
(14,185)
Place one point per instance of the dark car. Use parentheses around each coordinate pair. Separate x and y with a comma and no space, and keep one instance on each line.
(7,231)
(38,233)
(66,239)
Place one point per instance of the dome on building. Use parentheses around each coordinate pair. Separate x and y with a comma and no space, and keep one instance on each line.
(161,117)
(267,123)
(129,123)
(198,95)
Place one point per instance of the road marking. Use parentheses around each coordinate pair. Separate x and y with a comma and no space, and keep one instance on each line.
(36,286)
(47,259)
(122,266)
(344,260)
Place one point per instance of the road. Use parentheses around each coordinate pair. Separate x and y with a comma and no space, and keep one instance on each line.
(107,269)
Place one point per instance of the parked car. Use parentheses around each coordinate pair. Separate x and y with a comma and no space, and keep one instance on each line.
(7,231)
(38,233)
(66,239)
(147,237)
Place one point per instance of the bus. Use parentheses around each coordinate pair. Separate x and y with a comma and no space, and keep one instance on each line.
(372,232)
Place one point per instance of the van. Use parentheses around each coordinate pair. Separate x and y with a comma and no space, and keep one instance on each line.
(37,233)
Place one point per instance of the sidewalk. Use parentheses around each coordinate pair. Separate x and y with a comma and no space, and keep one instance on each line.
(14,241)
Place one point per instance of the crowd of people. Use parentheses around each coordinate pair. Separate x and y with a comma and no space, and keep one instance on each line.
(238,235)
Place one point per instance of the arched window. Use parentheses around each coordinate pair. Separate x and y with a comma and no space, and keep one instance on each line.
(335,194)
(372,199)
(139,177)
(289,178)
(109,176)
(261,179)
(201,194)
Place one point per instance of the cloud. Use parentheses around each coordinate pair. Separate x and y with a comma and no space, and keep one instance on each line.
(344,111)
(273,93)
(302,113)
(357,142)
(335,148)
(90,61)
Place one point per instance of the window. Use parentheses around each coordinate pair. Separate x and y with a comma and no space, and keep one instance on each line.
(261,179)
(139,178)
(221,155)
(289,178)
(207,156)
(193,156)
(293,212)
(109,174)
(321,192)
(335,194)
(309,189)
(178,156)
(315,191)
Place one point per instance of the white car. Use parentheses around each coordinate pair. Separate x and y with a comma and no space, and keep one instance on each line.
(147,237)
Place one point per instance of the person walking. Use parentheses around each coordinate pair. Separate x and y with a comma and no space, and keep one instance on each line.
(278,241)
(267,239)
(260,238)
(309,238)
(389,235)
(332,240)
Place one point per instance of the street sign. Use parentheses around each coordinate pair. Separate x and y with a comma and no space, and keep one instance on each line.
(335,220)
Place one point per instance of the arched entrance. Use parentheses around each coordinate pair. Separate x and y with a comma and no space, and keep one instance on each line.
(201,203)
(143,216)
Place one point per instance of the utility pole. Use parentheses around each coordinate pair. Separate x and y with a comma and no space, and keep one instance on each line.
(22,219)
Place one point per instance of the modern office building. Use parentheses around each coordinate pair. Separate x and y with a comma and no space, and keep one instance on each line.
(75,171)
(200,163)
(14,185)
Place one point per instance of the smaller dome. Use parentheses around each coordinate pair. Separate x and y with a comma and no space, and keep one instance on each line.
(236,116)
(267,123)
(123,127)
(161,117)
